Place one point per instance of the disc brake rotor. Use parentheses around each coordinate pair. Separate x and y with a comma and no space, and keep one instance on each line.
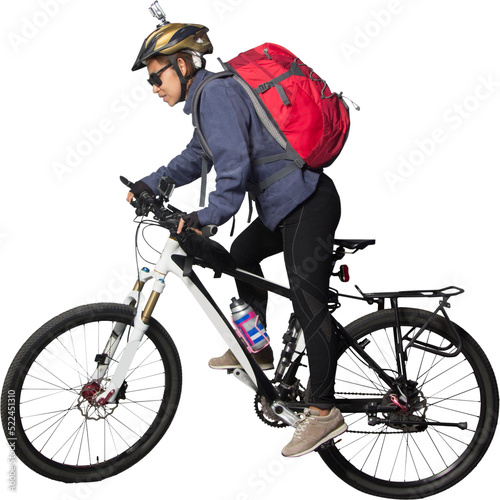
(87,402)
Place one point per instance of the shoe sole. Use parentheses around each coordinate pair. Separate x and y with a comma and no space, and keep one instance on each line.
(234,367)
(337,432)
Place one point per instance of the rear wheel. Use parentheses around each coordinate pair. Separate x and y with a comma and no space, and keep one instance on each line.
(60,430)
(406,457)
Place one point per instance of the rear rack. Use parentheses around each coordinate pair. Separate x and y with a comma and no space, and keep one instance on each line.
(445,293)
(455,342)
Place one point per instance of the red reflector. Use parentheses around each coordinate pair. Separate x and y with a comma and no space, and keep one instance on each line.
(344,273)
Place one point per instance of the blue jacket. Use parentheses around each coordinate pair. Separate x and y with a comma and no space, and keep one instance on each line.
(236,136)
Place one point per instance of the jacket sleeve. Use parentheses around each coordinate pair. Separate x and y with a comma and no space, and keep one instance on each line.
(225,119)
(183,169)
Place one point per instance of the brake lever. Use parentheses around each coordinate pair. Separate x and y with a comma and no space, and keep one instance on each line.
(143,204)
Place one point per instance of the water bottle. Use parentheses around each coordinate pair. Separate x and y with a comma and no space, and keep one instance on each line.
(248,326)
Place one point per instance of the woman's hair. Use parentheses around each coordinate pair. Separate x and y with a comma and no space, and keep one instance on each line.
(185,56)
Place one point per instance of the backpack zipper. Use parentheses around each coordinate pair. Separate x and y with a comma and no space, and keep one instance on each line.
(342,97)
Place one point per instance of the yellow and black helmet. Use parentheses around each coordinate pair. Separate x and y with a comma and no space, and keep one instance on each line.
(172,38)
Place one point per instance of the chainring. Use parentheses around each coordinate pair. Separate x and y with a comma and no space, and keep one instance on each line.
(266,414)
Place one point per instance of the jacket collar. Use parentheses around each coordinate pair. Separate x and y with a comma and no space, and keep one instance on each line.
(201,74)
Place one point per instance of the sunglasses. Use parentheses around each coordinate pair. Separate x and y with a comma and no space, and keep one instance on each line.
(154,78)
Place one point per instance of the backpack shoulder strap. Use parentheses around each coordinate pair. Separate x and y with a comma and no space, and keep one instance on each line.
(206,151)
(195,109)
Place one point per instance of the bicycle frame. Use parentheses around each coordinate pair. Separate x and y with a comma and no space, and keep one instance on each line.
(172,261)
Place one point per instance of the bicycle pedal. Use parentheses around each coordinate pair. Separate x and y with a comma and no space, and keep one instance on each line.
(329,444)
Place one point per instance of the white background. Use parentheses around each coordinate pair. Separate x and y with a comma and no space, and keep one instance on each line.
(417,69)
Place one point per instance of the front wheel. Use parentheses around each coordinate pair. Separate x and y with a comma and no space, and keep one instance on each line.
(49,409)
(407,456)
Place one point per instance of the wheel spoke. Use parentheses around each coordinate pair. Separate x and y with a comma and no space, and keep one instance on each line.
(135,402)
(397,455)
(55,376)
(74,436)
(77,362)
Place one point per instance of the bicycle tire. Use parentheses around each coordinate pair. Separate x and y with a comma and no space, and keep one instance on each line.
(37,382)
(368,466)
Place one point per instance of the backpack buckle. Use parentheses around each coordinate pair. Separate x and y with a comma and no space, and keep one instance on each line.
(264,86)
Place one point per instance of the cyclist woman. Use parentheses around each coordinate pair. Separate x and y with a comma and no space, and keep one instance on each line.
(298,214)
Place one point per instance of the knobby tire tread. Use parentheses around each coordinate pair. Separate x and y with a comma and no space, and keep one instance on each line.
(33,346)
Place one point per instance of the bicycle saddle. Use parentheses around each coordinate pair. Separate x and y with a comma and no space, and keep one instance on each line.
(354,244)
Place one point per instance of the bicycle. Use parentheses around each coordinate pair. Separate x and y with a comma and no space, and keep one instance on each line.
(94,389)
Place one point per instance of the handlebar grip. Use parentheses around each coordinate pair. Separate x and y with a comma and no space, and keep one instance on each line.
(126,182)
(209,230)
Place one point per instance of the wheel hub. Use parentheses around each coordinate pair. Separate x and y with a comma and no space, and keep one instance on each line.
(90,391)
(414,410)
(88,402)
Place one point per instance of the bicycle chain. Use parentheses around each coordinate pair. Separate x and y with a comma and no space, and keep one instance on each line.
(360,393)
(268,418)
(369,432)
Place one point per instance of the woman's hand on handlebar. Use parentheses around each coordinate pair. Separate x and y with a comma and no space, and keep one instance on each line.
(136,189)
(146,202)
(189,221)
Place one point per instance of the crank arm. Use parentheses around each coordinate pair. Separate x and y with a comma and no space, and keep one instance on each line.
(376,420)
(283,412)
(242,376)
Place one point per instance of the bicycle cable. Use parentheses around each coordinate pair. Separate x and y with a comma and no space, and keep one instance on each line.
(144,224)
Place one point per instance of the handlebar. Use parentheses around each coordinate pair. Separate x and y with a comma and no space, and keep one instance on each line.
(168,216)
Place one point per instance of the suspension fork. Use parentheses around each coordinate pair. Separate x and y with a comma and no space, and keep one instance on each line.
(141,324)
(104,358)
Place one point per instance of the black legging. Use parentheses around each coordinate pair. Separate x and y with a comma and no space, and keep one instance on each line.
(305,237)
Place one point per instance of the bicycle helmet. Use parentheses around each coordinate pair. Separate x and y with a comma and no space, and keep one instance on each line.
(171,38)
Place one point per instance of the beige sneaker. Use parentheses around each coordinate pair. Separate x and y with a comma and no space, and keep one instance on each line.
(229,362)
(312,431)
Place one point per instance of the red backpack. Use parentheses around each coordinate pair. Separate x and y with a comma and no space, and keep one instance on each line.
(295,105)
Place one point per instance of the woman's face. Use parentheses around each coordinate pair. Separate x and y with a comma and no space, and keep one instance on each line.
(170,88)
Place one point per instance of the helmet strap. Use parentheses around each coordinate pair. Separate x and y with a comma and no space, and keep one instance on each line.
(183,79)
